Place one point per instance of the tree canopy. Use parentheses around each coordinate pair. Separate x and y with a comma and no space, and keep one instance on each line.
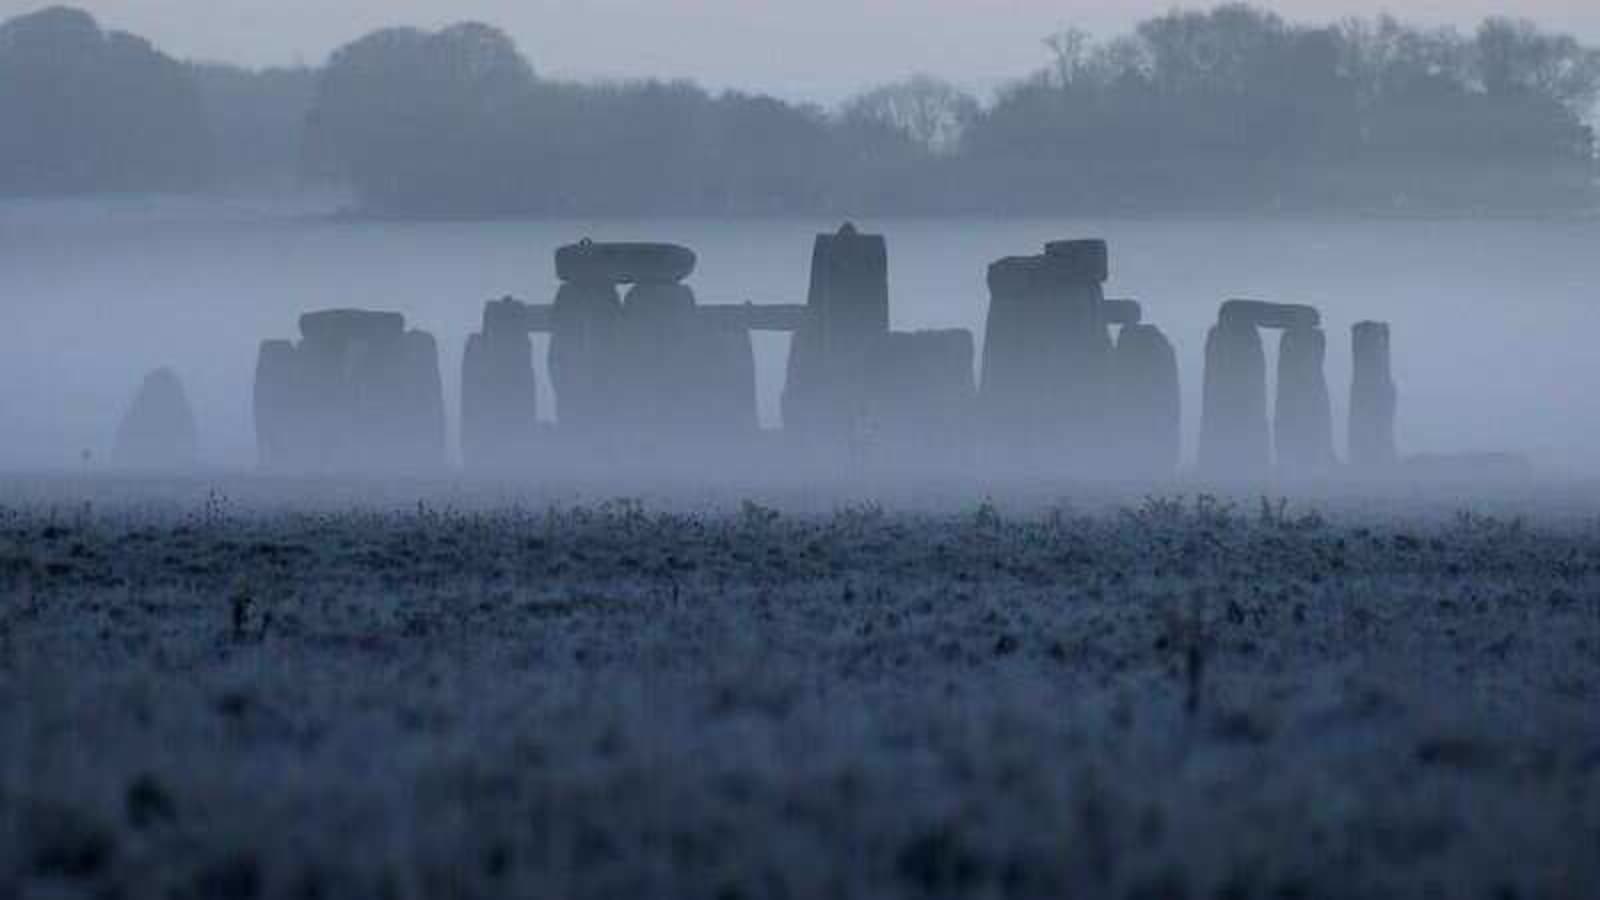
(1231,108)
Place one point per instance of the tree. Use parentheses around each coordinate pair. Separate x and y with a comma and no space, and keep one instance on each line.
(929,113)
(89,110)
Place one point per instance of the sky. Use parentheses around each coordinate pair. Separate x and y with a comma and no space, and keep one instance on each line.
(800,49)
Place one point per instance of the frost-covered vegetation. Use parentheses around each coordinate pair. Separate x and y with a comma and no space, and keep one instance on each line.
(1157,698)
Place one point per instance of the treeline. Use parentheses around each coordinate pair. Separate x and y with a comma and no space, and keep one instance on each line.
(85,110)
(1231,109)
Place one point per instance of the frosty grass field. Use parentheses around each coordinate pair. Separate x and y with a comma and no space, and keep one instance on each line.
(227,692)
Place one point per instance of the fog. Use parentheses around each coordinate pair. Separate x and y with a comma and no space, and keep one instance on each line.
(1491,319)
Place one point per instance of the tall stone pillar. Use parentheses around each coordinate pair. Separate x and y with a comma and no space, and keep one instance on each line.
(499,390)
(1234,437)
(584,344)
(1145,410)
(1303,420)
(279,398)
(1077,271)
(1373,397)
(921,394)
(847,313)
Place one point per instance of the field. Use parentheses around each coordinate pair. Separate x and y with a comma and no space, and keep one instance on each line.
(265,690)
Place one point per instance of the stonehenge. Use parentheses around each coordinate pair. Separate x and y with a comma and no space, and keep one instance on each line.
(157,433)
(499,390)
(1146,404)
(1235,435)
(358,392)
(847,313)
(1373,397)
(1068,380)
(1054,384)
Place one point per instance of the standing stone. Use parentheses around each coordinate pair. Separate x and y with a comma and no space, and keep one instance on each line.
(357,393)
(279,399)
(727,380)
(1047,351)
(584,364)
(1234,437)
(847,312)
(1147,404)
(158,431)
(499,390)
(921,393)
(1022,361)
(1077,271)
(1373,397)
(660,367)
(1303,419)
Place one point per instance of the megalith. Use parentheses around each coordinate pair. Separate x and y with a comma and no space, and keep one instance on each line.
(1234,436)
(1047,349)
(158,430)
(1145,410)
(584,342)
(1373,397)
(1302,421)
(847,312)
(921,393)
(499,390)
(358,393)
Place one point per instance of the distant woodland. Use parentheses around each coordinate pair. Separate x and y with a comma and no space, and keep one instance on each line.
(1227,110)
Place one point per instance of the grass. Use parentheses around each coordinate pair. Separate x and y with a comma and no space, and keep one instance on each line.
(1197,696)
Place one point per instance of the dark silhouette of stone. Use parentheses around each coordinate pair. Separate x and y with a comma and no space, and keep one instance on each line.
(847,313)
(499,390)
(1047,348)
(585,345)
(730,379)
(1261,314)
(1373,397)
(1234,437)
(1146,407)
(281,396)
(921,392)
(592,262)
(1122,312)
(358,393)
(1303,418)
(339,328)
(1081,260)
(158,430)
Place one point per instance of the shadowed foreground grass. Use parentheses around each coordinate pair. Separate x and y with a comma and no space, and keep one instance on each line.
(1180,699)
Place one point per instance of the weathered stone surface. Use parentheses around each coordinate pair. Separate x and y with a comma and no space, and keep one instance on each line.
(1146,403)
(1303,419)
(1080,260)
(158,431)
(341,327)
(358,393)
(593,262)
(499,391)
(921,391)
(1022,364)
(729,389)
(1373,397)
(1234,437)
(584,349)
(1046,359)
(279,402)
(847,312)
(1269,315)
(1122,312)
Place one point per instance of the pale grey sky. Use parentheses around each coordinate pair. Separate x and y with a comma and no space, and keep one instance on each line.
(819,49)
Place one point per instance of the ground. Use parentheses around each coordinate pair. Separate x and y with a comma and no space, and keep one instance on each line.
(219,691)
